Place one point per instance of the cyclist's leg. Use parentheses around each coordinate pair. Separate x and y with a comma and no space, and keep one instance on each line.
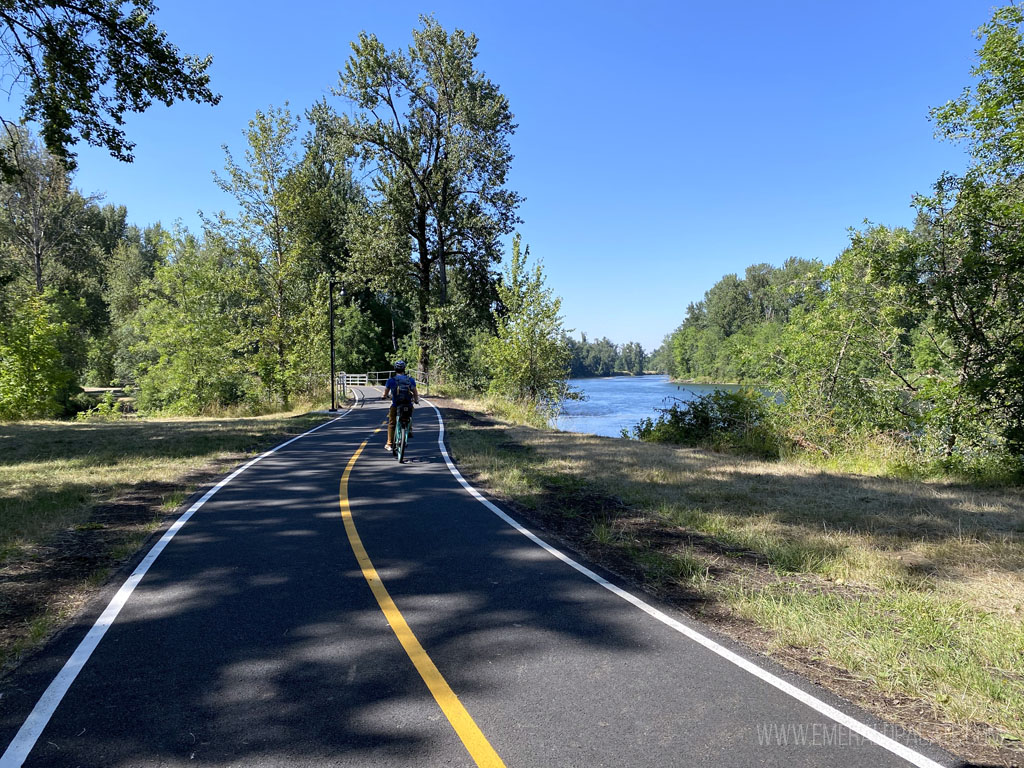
(392,420)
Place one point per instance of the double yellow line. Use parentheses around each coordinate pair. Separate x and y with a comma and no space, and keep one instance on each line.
(472,737)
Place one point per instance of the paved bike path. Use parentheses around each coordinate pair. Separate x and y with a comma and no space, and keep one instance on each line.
(255,640)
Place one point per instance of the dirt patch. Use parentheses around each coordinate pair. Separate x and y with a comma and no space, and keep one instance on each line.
(567,514)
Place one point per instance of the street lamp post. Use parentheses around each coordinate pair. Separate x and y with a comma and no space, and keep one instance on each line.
(334,376)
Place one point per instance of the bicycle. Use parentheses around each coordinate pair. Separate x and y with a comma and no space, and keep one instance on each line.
(402,432)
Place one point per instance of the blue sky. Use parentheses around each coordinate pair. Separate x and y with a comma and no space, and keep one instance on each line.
(660,145)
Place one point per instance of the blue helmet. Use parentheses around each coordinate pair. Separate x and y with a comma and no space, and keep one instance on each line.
(400,366)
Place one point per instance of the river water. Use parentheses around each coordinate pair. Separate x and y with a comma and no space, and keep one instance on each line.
(619,402)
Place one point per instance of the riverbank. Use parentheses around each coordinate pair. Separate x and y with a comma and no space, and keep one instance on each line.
(79,498)
(905,597)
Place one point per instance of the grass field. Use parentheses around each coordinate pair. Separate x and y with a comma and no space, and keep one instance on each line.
(914,591)
(79,498)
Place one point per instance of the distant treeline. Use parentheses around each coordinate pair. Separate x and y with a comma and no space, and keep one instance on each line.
(604,358)
(726,336)
(910,346)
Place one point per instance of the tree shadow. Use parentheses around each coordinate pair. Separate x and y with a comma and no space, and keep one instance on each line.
(255,639)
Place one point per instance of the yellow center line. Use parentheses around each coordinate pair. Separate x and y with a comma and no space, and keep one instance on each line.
(472,737)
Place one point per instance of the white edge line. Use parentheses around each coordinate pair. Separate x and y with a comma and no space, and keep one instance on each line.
(23,742)
(869,733)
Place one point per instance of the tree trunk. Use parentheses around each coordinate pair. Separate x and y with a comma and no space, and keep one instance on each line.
(38,264)
(282,367)
(423,295)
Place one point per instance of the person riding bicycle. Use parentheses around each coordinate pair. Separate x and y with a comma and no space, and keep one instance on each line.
(402,389)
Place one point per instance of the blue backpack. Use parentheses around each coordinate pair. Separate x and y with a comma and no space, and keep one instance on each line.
(403,389)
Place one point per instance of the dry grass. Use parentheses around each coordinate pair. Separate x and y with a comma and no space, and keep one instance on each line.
(53,473)
(78,499)
(915,588)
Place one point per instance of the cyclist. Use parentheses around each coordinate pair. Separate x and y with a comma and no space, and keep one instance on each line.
(402,389)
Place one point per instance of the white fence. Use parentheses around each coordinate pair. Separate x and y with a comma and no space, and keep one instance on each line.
(377,379)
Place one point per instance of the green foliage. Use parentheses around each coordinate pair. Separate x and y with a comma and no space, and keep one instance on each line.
(727,336)
(632,358)
(193,322)
(237,318)
(34,382)
(988,117)
(970,277)
(107,409)
(604,358)
(528,359)
(84,65)
(266,242)
(721,420)
(591,358)
(435,132)
(843,363)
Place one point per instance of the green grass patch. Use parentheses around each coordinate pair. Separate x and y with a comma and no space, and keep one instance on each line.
(53,473)
(967,662)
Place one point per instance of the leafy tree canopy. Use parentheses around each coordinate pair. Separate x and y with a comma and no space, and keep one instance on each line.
(83,64)
(434,132)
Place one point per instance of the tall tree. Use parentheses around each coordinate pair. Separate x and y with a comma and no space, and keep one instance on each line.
(435,133)
(42,219)
(190,327)
(970,274)
(84,64)
(990,116)
(729,305)
(264,232)
(974,272)
(34,380)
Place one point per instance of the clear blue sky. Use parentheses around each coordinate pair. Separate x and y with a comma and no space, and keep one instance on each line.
(660,144)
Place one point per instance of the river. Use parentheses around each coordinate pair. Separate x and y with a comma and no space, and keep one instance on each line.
(620,402)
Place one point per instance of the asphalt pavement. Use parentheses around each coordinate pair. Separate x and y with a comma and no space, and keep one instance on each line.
(257,637)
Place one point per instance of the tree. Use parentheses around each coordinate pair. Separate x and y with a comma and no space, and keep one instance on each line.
(529,358)
(844,362)
(661,360)
(970,274)
(84,64)
(131,267)
(34,381)
(194,341)
(974,275)
(632,358)
(42,217)
(265,234)
(990,116)
(729,305)
(329,199)
(434,132)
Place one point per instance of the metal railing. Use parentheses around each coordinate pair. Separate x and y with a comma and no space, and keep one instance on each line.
(377,379)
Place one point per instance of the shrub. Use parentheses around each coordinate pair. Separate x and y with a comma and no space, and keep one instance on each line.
(107,409)
(719,420)
(34,381)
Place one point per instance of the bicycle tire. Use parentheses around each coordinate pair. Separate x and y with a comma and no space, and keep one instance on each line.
(403,432)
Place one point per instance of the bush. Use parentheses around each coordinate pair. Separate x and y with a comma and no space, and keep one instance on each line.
(719,420)
(107,409)
(34,381)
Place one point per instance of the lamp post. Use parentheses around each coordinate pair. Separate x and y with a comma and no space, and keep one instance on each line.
(334,376)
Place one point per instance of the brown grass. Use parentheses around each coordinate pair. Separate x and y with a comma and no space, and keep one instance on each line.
(77,499)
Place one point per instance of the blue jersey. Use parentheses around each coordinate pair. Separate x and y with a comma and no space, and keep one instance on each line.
(395,381)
